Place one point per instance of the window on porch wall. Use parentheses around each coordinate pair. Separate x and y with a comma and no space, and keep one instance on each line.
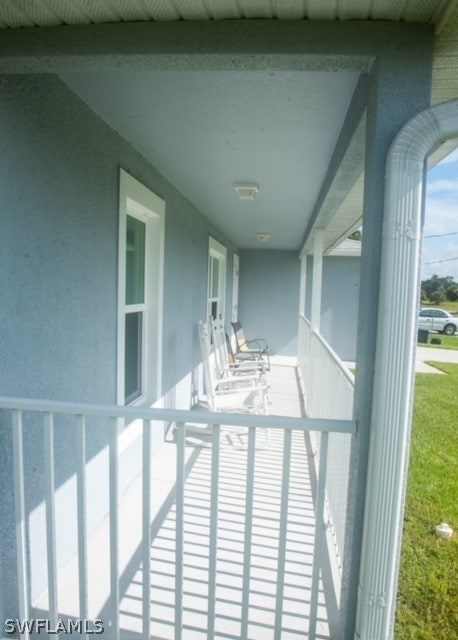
(141,240)
(135,308)
(217,254)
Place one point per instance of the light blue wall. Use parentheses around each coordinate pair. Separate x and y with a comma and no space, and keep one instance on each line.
(269,298)
(339,303)
(59,184)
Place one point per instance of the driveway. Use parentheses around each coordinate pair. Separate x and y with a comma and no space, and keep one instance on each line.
(436,355)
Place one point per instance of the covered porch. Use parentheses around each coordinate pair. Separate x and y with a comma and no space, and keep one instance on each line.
(127,146)
(218,537)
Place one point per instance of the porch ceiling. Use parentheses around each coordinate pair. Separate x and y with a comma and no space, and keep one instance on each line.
(205,130)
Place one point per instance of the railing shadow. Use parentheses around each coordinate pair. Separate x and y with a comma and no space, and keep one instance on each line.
(264,578)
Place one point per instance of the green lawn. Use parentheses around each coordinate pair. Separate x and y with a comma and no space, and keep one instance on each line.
(447,342)
(427,606)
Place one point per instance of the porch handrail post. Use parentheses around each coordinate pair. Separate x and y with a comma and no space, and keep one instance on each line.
(317,278)
(21,536)
(395,367)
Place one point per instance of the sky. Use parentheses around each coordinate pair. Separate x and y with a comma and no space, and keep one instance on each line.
(441,217)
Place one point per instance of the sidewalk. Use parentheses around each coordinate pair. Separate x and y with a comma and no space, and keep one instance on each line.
(435,355)
(427,354)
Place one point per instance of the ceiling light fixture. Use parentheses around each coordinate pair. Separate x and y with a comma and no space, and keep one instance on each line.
(263,237)
(246,190)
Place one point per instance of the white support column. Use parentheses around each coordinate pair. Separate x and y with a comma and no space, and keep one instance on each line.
(317,279)
(303,285)
(395,367)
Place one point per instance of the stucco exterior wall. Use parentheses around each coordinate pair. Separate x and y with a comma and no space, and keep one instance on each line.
(269,298)
(59,185)
(339,303)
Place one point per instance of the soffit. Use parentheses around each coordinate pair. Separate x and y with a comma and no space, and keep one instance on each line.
(442,13)
(27,13)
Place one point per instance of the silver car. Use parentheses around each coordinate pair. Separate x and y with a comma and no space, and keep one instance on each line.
(438,320)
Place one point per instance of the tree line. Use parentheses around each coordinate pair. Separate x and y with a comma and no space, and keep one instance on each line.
(437,290)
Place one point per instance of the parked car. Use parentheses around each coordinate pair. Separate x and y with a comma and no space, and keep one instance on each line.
(438,320)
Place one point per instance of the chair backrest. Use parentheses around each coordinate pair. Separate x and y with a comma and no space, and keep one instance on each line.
(230,354)
(239,336)
(208,363)
(219,345)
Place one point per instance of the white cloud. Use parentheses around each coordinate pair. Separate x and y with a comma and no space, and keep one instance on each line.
(443,186)
(441,252)
(440,216)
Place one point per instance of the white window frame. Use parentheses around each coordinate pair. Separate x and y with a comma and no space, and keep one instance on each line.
(219,252)
(139,202)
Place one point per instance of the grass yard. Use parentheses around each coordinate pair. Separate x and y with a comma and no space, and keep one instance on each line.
(427,606)
(447,342)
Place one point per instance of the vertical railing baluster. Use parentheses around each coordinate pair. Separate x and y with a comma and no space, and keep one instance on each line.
(146,538)
(19,497)
(320,538)
(249,498)
(214,487)
(48,423)
(283,532)
(81,515)
(114,528)
(179,524)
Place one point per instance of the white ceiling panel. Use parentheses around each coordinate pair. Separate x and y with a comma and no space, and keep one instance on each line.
(204,131)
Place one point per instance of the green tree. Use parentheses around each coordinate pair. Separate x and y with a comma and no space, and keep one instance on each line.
(438,296)
(435,288)
(451,292)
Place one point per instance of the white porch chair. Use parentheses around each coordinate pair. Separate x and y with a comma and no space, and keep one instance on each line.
(256,348)
(228,391)
(228,365)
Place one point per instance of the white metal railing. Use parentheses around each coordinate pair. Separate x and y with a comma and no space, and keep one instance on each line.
(329,391)
(151,419)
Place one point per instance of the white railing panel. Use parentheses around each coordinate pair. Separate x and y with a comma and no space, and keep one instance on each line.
(48,424)
(283,533)
(248,531)
(179,529)
(21,545)
(146,526)
(82,519)
(329,393)
(320,538)
(213,543)
(114,529)
(154,418)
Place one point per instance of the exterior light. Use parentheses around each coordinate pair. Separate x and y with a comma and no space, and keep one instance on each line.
(246,190)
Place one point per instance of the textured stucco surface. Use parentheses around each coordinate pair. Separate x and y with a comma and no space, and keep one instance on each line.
(59,179)
(269,298)
(339,303)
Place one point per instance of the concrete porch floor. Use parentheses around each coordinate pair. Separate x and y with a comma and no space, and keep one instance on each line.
(285,400)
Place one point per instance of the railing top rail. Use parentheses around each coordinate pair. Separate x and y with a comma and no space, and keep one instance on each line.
(307,321)
(180,416)
(333,355)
